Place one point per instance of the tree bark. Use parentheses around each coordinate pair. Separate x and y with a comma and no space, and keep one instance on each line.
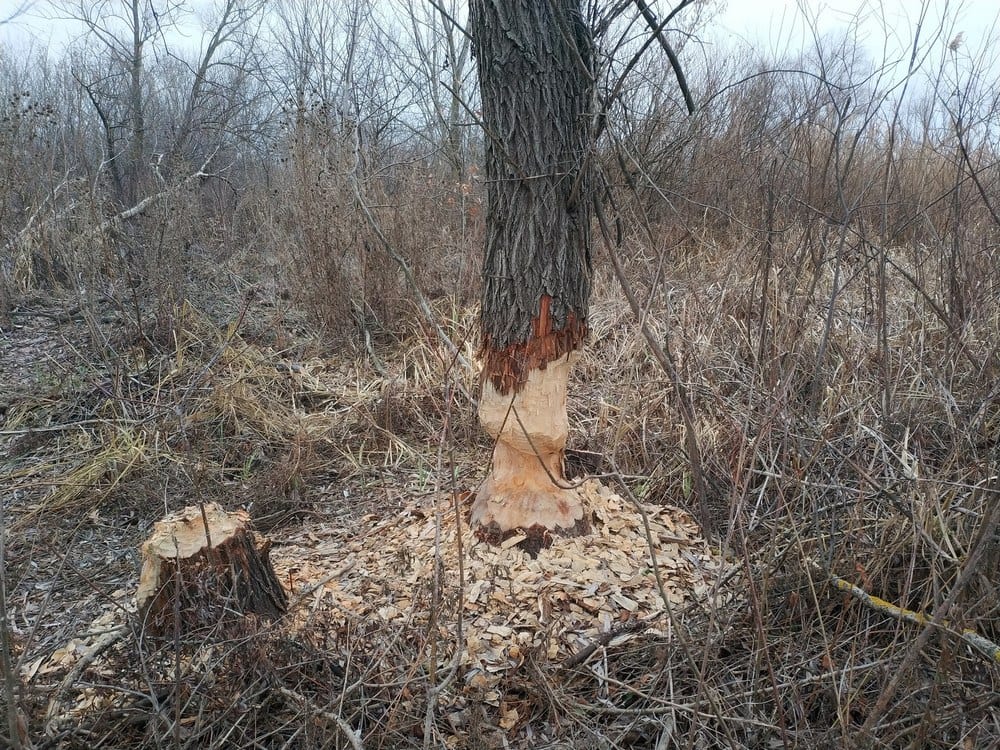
(204,568)
(536,82)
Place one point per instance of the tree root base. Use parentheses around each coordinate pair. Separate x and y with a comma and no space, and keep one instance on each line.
(536,538)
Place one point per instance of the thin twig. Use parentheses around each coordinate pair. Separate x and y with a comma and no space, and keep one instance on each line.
(352,736)
(303,595)
(980,643)
(675,64)
(411,279)
(99,646)
(687,412)
(575,660)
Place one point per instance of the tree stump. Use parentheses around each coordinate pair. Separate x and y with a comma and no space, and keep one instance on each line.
(203,569)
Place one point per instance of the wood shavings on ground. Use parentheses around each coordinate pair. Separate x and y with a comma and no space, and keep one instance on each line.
(572,594)
(391,584)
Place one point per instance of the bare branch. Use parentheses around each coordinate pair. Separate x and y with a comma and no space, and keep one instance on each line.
(657,29)
(19,11)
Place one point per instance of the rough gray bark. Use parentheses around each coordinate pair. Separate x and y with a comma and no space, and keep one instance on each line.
(534,61)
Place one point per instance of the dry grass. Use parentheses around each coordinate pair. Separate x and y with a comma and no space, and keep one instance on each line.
(805,466)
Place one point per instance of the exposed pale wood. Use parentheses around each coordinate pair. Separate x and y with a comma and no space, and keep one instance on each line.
(526,487)
(202,567)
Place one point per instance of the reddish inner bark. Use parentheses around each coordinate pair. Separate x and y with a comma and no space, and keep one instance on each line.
(507,368)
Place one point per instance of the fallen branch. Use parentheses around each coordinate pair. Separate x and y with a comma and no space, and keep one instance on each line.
(65,316)
(303,595)
(98,647)
(604,639)
(984,645)
(111,222)
(141,206)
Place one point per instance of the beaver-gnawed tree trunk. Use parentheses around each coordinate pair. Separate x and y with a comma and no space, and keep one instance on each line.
(205,569)
(534,61)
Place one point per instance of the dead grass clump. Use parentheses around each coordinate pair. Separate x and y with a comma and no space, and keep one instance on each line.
(328,219)
(828,438)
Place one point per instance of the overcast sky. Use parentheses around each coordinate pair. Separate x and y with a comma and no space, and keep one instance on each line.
(777,23)
(768,25)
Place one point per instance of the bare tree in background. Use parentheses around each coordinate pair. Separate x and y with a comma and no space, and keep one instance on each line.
(218,93)
(114,83)
(122,37)
(443,60)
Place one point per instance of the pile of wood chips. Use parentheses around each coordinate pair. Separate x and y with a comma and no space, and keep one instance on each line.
(401,577)
(598,588)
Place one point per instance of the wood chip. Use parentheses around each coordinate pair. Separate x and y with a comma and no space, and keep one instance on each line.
(623,601)
(513,541)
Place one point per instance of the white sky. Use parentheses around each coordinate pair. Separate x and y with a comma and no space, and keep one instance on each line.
(776,25)
(768,25)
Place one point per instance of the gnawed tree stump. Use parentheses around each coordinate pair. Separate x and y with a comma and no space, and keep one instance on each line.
(204,568)
(527,491)
(540,190)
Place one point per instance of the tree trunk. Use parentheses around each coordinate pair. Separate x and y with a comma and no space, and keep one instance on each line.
(535,77)
(204,569)
(135,94)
